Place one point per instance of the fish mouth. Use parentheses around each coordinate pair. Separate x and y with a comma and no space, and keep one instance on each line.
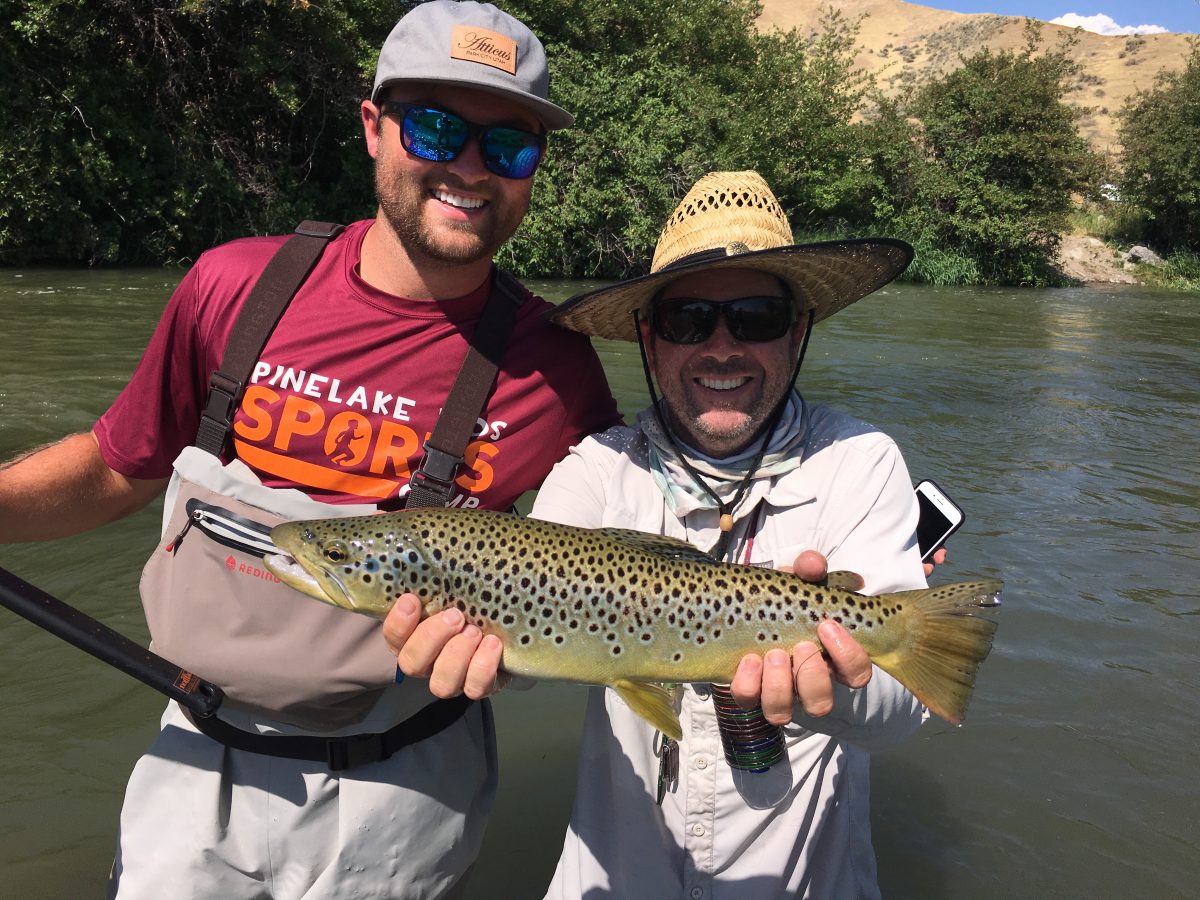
(292,572)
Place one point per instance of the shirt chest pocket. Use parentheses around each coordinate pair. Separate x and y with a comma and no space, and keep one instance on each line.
(778,547)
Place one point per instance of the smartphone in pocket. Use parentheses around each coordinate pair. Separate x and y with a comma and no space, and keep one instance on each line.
(940,518)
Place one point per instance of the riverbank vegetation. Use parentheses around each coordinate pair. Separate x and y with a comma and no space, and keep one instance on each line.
(1160,180)
(144,133)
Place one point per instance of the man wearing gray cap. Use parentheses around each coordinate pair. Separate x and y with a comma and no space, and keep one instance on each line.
(324,773)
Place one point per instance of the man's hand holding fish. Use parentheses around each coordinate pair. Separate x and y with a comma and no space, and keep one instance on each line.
(451,652)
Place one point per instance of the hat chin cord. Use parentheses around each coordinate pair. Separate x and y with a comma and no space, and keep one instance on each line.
(726,508)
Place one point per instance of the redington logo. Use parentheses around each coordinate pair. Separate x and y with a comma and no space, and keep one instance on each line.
(242,568)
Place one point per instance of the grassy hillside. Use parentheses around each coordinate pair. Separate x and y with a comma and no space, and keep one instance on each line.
(904,43)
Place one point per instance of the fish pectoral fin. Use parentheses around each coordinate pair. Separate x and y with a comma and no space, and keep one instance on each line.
(659,544)
(845,581)
(653,703)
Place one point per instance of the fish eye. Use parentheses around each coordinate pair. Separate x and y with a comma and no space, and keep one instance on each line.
(336,552)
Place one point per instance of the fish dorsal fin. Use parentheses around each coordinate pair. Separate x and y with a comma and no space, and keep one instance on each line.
(845,581)
(653,703)
(659,545)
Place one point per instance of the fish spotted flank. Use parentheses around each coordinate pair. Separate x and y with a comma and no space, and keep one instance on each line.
(627,609)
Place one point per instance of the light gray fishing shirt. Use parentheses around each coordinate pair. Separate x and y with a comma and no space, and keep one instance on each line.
(801,829)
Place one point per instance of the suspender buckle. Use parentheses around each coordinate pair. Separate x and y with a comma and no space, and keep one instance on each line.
(216,420)
(223,393)
(438,465)
(327,230)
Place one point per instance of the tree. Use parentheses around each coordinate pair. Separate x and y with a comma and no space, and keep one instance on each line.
(1000,157)
(146,132)
(664,92)
(141,132)
(893,197)
(1160,133)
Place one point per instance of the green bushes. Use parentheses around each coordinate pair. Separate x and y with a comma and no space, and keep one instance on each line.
(1181,272)
(1160,132)
(138,132)
(664,92)
(978,167)
(141,132)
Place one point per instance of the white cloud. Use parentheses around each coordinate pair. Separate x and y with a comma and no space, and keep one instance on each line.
(1102,24)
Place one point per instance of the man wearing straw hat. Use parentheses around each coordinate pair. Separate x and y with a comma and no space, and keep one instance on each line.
(733,460)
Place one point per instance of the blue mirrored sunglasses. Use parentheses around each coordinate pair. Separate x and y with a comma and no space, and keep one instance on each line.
(438,136)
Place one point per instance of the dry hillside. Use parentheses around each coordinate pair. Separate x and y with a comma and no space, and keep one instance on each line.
(904,43)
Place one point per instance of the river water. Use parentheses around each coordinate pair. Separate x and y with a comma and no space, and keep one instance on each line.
(1064,422)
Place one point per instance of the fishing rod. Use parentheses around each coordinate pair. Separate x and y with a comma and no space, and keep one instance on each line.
(69,624)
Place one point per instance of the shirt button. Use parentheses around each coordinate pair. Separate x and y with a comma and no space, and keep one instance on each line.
(697,893)
(698,831)
(701,762)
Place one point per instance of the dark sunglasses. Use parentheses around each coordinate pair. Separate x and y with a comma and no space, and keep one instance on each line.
(750,319)
(439,136)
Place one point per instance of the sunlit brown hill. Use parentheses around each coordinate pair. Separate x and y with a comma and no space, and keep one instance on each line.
(905,44)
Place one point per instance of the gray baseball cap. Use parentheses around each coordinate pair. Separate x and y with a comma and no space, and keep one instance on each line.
(473,45)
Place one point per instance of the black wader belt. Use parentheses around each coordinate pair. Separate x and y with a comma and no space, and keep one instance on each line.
(338,753)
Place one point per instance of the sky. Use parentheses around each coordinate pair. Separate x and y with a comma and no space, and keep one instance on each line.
(1101,16)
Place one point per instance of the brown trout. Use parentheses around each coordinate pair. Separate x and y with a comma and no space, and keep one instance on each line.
(626,609)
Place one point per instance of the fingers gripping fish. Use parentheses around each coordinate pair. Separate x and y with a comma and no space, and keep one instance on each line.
(626,609)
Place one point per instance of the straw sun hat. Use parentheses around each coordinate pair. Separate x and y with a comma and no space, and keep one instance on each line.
(731,220)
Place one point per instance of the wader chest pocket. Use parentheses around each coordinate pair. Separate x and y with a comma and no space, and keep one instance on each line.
(214,609)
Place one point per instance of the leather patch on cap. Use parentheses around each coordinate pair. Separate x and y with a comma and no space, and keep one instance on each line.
(482,46)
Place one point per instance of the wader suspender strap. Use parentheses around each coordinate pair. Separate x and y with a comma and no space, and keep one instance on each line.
(268,299)
(433,482)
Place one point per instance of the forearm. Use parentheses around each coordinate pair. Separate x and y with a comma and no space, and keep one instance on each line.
(875,717)
(66,488)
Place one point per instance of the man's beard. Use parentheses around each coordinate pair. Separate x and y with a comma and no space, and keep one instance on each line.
(403,198)
(737,427)
(721,429)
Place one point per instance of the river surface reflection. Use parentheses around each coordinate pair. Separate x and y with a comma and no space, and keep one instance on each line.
(1064,422)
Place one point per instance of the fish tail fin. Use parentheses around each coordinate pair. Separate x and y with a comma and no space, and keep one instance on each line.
(653,703)
(946,638)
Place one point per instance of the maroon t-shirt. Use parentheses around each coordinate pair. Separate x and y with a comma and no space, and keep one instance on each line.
(351,382)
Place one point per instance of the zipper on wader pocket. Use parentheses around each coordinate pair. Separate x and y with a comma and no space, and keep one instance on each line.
(173,547)
(227,528)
